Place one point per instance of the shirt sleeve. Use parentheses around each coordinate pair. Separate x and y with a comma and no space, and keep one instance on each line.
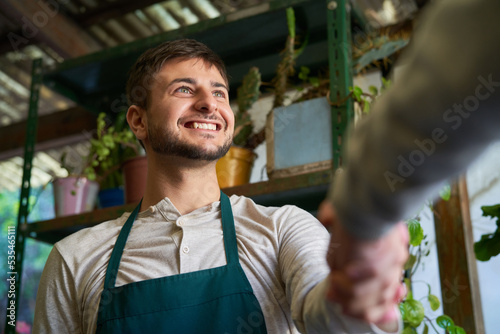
(439,116)
(56,310)
(303,267)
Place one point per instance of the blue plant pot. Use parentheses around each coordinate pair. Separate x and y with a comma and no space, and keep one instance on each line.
(111,197)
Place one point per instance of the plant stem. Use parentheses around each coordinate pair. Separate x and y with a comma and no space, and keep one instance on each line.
(419,257)
(430,322)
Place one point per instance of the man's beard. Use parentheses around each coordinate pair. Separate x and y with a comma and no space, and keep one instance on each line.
(167,143)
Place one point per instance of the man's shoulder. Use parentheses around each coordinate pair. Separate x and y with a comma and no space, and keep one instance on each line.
(247,205)
(88,239)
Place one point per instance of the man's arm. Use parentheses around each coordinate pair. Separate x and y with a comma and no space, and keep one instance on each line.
(304,272)
(55,310)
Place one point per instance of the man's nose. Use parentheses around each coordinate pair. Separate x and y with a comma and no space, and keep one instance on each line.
(206,102)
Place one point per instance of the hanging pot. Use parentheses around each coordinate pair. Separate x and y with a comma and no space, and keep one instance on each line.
(74,195)
(135,172)
(235,167)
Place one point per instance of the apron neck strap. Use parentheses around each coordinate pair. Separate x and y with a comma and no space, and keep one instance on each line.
(229,230)
(116,254)
(230,244)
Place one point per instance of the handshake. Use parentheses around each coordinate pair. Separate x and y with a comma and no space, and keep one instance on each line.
(366,275)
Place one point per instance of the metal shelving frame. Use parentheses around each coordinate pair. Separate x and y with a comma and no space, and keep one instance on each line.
(314,184)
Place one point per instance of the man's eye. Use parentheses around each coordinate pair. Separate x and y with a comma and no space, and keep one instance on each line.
(219,94)
(183,90)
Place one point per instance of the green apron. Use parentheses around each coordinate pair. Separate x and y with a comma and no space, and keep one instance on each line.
(217,300)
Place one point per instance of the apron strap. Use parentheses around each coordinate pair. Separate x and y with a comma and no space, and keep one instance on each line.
(116,255)
(230,245)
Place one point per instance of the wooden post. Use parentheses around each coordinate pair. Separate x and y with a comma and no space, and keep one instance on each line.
(457,261)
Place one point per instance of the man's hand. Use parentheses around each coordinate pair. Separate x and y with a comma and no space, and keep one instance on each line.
(366,275)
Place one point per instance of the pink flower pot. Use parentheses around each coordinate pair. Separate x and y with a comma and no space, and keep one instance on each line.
(74,195)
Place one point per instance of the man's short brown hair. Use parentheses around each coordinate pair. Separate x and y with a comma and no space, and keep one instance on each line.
(143,73)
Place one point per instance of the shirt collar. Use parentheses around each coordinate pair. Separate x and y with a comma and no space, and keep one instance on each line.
(167,209)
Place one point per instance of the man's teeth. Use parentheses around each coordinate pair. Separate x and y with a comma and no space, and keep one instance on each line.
(206,126)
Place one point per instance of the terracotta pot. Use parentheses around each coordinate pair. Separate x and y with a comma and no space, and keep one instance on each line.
(235,167)
(135,172)
(74,195)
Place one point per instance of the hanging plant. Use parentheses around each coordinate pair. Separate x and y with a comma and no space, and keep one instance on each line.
(412,310)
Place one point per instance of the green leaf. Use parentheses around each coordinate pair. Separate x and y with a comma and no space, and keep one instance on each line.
(445,193)
(408,330)
(357,92)
(290,19)
(386,83)
(455,330)
(373,90)
(426,329)
(411,262)
(444,321)
(414,312)
(409,293)
(366,106)
(492,211)
(434,302)
(304,72)
(402,310)
(488,246)
(416,232)
(314,81)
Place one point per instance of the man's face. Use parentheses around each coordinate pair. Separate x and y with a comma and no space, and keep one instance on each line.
(189,114)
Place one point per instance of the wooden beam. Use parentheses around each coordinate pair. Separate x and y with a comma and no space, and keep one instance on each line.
(42,21)
(457,261)
(111,10)
(56,128)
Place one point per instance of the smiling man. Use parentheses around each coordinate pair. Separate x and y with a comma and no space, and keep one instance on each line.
(189,259)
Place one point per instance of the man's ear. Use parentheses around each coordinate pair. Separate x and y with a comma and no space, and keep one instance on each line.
(137,120)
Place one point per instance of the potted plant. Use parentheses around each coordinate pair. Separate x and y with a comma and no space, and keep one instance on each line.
(235,167)
(113,146)
(75,193)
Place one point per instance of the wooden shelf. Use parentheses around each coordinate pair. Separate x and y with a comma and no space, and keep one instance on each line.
(305,191)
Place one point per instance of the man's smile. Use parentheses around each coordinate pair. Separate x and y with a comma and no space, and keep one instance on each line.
(202,125)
